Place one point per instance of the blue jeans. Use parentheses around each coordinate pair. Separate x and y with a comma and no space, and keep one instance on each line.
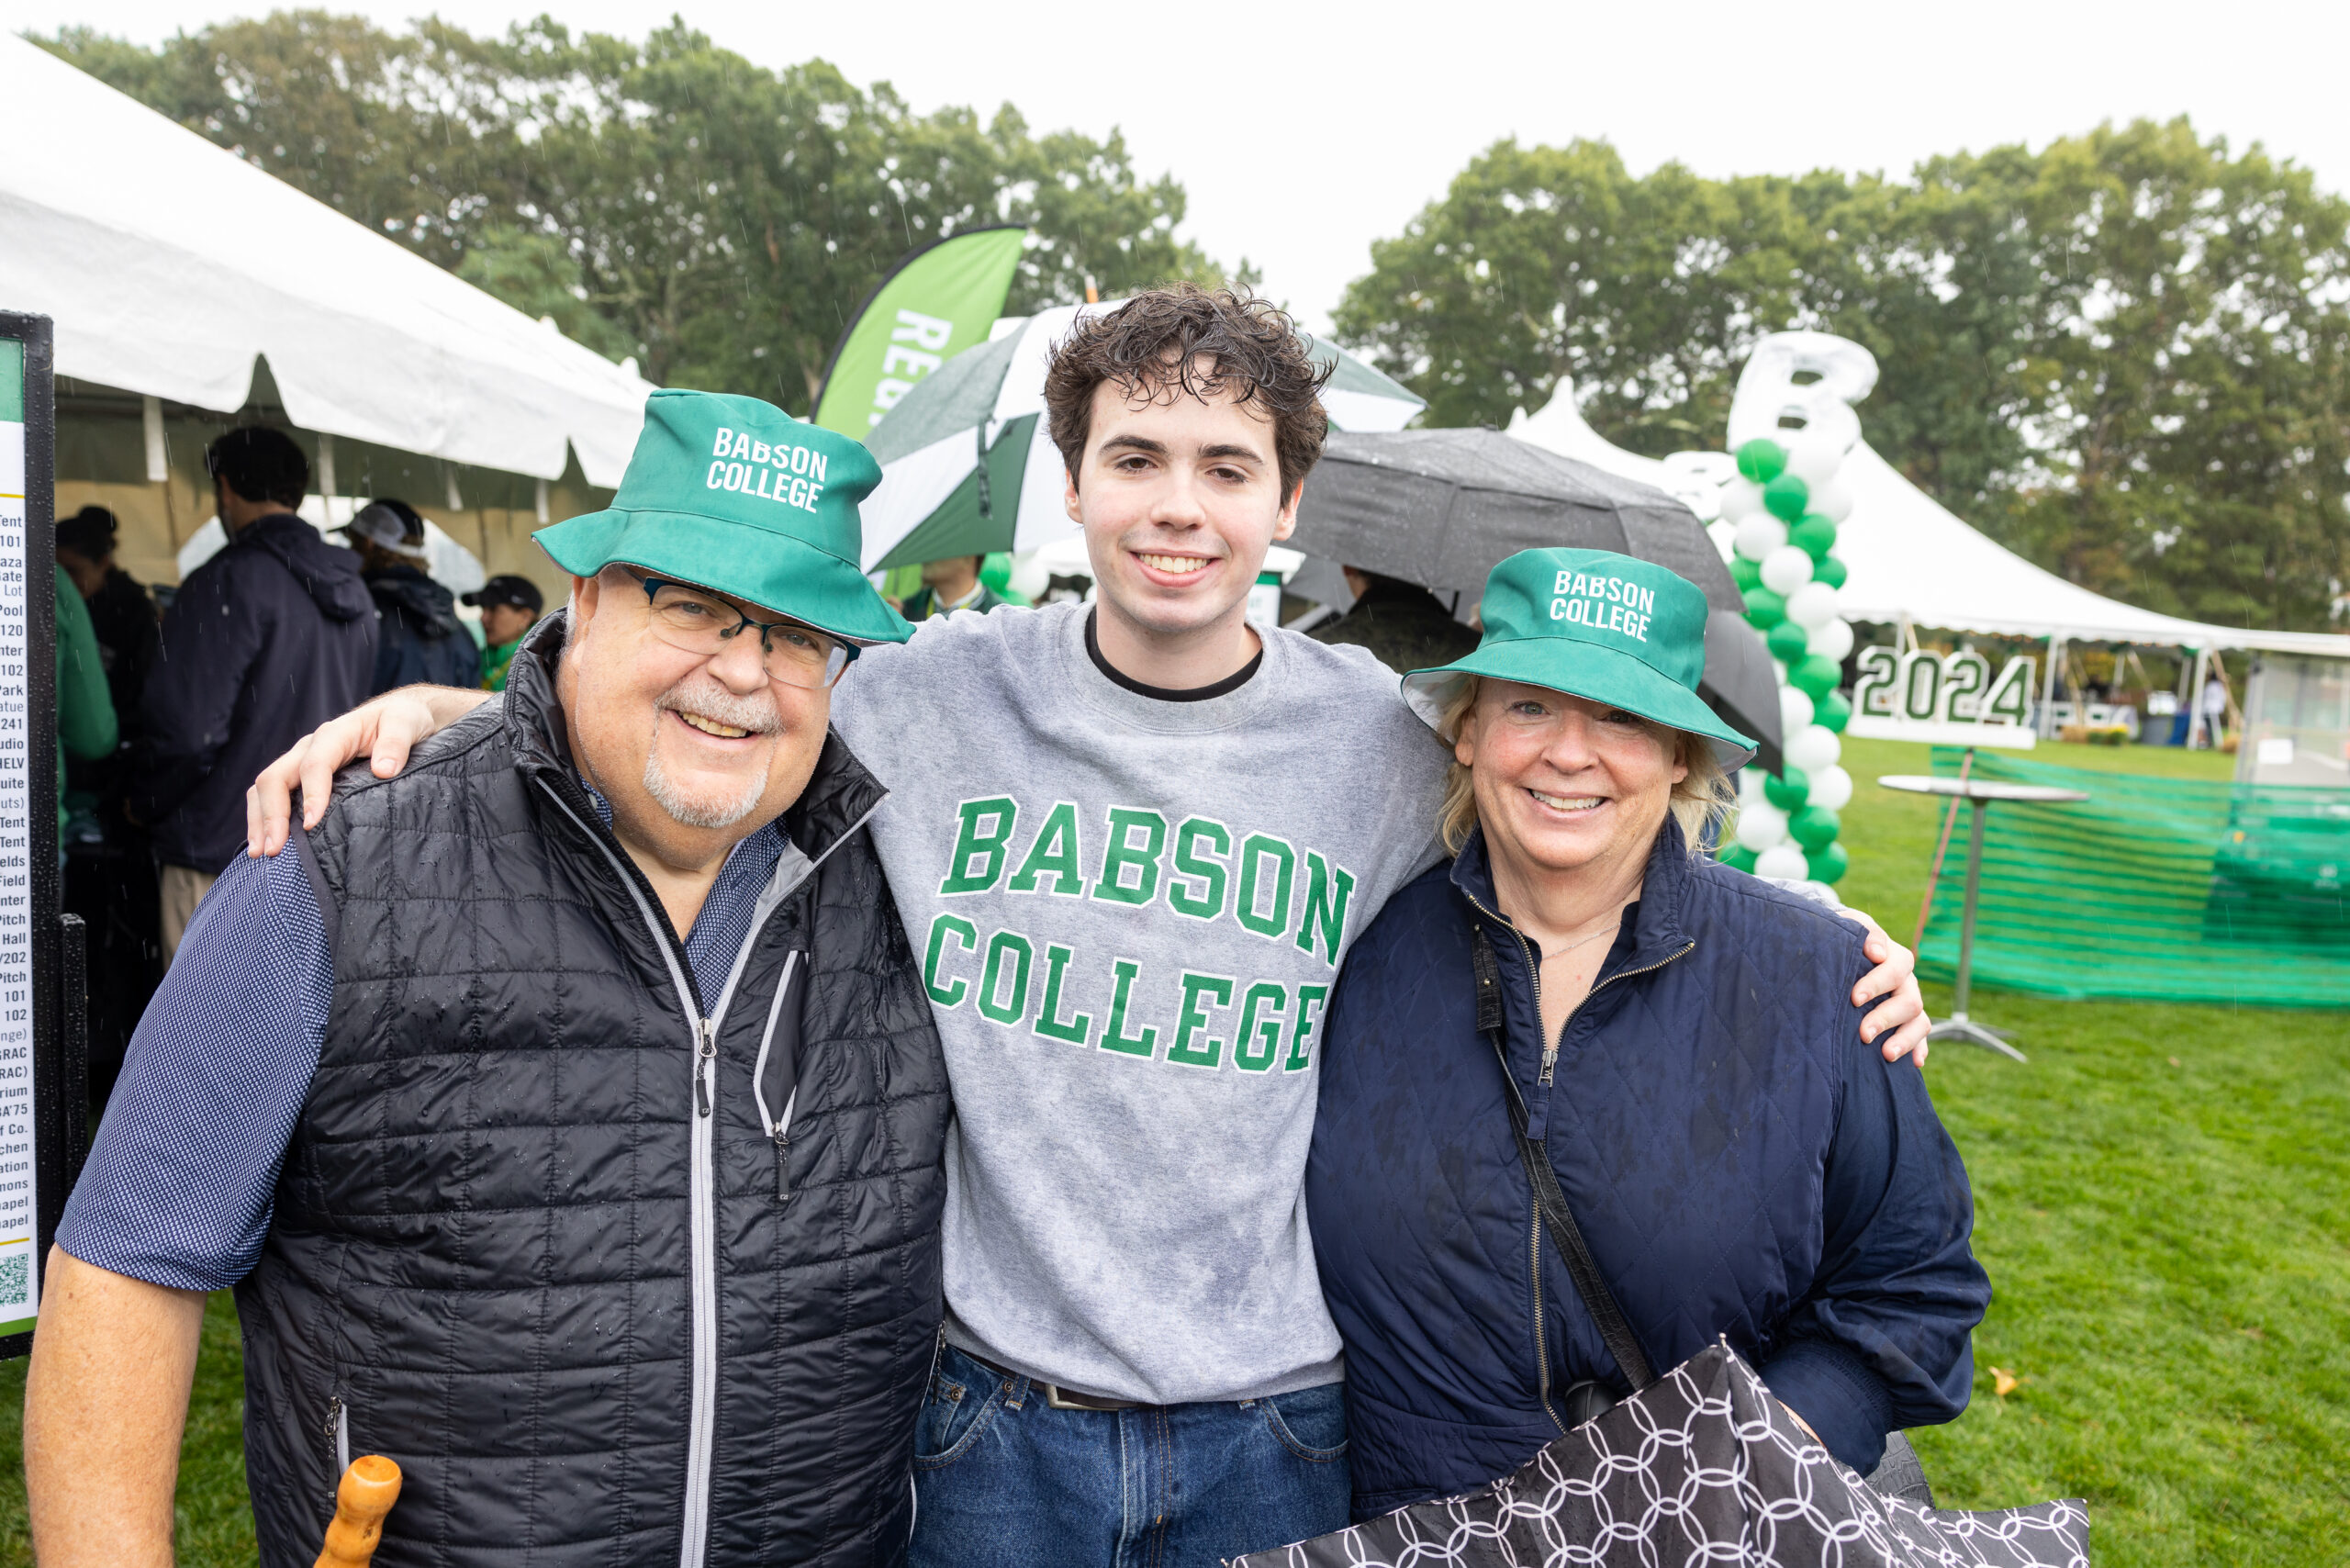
(1002,1480)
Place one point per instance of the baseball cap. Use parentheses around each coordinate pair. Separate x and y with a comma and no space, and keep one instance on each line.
(1594,625)
(386,522)
(505,588)
(733,494)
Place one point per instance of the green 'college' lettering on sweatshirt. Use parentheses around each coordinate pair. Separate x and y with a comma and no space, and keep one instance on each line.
(1134,868)
(998,975)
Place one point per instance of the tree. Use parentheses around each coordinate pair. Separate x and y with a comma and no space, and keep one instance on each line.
(2122,355)
(665,199)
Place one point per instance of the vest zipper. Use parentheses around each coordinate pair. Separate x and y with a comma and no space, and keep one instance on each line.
(701,1433)
(777,1124)
(702,1417)
(337,1434)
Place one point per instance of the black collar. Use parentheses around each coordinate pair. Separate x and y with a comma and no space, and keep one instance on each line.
(1225,688)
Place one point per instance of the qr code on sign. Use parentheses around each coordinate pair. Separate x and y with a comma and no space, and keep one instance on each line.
(15,1278)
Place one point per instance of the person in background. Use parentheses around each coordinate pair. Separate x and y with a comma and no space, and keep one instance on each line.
(2215,711)
(1402,624)
(263,642)
(510,607)
(122,614)
(86,730)
(418,637)
(948,586)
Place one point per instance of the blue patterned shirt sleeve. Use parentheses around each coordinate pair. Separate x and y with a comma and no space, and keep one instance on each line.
(181,1178)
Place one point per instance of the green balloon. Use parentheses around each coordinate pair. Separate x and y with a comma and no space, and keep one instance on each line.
(1746,574)
(1828,862)
(1786,496)
(1738,857)
(1828,569)
(1815,676)
(1814,827)
(1762,460)
(1786,641)
(1814,534)
(1788,788)
(1765,608)
(1833,712)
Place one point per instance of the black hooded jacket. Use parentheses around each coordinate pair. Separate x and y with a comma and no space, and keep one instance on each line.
(266,641)
(623,1275)
(419,637)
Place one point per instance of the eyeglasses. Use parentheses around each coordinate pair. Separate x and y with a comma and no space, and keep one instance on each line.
(699,622)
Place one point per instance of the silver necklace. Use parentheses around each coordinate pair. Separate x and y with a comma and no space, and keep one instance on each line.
(1570,946)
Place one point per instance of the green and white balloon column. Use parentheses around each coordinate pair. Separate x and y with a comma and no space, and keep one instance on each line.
(1779,518)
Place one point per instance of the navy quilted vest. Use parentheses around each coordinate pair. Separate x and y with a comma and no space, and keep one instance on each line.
(510,1250)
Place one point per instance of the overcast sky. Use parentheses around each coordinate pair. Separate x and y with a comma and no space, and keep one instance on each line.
(1304,132)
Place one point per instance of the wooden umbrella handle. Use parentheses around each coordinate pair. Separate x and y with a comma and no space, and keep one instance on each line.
(369,1489)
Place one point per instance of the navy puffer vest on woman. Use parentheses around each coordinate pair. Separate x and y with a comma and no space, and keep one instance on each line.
(531,1248)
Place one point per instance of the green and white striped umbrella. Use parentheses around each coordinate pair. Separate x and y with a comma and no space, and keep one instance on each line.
(968,467)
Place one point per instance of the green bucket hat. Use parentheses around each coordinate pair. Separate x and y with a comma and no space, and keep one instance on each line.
(1596,625)
(734,493)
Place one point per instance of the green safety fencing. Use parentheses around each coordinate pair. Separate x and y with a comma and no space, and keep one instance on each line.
(2160,888)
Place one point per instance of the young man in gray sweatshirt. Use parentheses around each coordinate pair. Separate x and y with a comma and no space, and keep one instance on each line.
(1130,885)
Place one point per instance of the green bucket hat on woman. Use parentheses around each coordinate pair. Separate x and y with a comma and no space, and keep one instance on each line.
(734,493)
(1596,625)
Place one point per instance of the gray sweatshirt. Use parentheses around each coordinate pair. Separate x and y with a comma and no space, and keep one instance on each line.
(1130,913)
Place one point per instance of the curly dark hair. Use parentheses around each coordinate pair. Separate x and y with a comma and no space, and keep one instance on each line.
(1186,339)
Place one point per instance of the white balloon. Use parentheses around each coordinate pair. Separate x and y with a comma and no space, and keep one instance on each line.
(1794,710)
(1832,639)
(1812,604)
(1817,453)
(1750,786)
(1813,746)
(1741,498)
(1759,827)
(1759,534)
(1830,786)
(1832,499)
(1787,569)
(1782,862)
(1724,533)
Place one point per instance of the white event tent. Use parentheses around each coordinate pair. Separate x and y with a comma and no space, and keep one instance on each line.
(168,264)
(1910,560)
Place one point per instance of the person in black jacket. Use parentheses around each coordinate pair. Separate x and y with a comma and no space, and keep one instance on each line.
(418,636)
(122,612)
(1402,624)
(263,642)
(1577,995)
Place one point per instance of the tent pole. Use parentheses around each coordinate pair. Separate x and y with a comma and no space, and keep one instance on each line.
(2195,700)
(2048,686)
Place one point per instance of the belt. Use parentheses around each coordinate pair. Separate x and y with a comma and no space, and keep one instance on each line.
(1057,1397)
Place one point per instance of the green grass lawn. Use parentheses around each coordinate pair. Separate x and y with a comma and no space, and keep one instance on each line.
(2162,1201)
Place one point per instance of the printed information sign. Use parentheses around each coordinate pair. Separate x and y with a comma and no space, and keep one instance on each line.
(20,1192)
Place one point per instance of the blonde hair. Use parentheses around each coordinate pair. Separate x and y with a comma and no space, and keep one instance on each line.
(1699,803)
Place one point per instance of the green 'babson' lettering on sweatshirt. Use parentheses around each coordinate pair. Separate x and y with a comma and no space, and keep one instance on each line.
(1130,915)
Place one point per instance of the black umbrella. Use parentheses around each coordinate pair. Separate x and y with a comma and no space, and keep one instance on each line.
(1443,508)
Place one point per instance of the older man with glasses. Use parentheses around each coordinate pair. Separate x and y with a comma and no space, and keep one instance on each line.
(568,1113)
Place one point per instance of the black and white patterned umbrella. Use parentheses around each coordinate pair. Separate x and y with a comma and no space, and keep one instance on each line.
(1703,1466)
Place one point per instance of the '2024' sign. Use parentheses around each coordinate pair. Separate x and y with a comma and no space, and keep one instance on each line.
(1930,688)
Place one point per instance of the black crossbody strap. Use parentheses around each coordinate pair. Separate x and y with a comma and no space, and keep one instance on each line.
(1590,1284)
